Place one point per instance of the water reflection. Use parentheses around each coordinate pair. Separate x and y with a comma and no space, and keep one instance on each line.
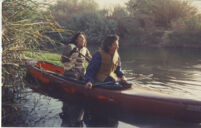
(78,115)
(98,115)
(78,112)
(72,115)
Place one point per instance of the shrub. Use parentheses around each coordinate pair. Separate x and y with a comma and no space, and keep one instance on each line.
(119,12)
(95,25)
(24,28)
(84,16)
(186,32)
(163,23)
(163,12)
(64,10)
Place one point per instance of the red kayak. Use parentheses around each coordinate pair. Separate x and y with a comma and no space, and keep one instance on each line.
(135,98)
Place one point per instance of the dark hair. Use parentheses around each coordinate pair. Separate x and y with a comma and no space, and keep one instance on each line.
(109,40)
(74,38)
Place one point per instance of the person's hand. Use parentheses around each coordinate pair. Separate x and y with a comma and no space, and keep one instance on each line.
(88,85)
(123,79)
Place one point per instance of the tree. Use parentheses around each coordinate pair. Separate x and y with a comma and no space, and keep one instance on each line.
(163,12)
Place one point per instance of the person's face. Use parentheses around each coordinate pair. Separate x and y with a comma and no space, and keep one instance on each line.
(114,47)
(81,40)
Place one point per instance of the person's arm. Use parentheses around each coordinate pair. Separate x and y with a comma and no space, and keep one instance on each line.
(120,73)
(88,55)
(118,70)
(65,56)
(92,69)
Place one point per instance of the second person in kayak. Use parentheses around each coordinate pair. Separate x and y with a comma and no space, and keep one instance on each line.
(105,64)
(74,57)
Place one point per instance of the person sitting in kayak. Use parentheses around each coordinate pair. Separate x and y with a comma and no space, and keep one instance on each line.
(105,64)
(74,57)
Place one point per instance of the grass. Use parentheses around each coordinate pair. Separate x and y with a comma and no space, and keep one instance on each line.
(49,57)
(45,56)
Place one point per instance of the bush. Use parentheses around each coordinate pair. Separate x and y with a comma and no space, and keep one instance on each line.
(119,12)
(163,12)
(95,25)
(84,16)
(64,10)
(186,32)
(24,28)
(163,23)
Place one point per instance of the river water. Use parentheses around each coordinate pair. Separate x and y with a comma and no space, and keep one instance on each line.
(175,71)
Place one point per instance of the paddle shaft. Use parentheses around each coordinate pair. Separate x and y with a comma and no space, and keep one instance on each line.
(87,58)
(131,79)
(140,77)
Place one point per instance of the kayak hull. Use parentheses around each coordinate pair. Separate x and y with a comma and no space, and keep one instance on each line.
(136,98)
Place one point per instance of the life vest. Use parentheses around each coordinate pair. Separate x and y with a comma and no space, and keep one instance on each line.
(108,66)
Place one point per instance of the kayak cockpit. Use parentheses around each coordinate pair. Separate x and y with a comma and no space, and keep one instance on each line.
(59,72)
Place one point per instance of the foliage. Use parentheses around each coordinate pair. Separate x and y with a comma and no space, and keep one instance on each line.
(63,10)
(136,6)
(163,23)
(186,32)
(142,22)
(119,12)
(95,25)
(53,58)
(45,56)
(163,12)
(84,16)
(24,27)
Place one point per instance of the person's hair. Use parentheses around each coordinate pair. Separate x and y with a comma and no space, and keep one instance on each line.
(74,38)
(109,40)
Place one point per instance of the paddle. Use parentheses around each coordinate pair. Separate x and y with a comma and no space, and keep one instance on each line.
(87,58)
(75,50)
(140,77)
(131,79)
